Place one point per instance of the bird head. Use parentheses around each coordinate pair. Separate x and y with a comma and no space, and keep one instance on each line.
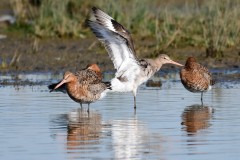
(165,59)
(94,67)
(67,77)
(190,60)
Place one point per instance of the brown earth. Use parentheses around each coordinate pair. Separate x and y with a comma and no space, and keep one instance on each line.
(24,55)
(57,55)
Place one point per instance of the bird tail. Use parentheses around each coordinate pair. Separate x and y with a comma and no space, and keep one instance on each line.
(52,86)
(212,82)
(108,85)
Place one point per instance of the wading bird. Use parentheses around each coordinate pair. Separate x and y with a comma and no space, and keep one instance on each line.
(131,71)
(85,86)
(195,77)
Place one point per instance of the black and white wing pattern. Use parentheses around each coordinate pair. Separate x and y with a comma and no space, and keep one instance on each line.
(116,39)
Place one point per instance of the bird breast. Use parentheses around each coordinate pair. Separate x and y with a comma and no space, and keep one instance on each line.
(80,93)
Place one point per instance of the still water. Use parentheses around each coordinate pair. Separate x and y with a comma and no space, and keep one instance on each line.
(169,123)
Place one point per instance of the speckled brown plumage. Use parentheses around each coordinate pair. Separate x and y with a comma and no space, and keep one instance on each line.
(195,77)
(85,86)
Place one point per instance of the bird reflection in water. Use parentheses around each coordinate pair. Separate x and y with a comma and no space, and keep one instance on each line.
(131,139)
(84,133)
(196,117)
(82,129)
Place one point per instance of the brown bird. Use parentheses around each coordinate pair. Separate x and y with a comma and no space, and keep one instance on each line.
(62,88)
(85,86)
(195,77)
(131,71)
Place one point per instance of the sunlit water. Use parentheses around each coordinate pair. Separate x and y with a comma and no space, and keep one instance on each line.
(169,123)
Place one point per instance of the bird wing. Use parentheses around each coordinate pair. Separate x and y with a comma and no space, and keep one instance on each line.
(206,74)
(97,88)
(115,37)
(87,77)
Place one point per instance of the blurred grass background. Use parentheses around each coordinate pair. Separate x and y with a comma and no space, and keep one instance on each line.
(212,24)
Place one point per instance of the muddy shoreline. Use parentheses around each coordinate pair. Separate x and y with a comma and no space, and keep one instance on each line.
(27,55)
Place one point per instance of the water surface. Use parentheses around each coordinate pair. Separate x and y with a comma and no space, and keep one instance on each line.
(169,123)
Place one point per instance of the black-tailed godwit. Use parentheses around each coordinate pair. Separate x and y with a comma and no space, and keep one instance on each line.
(195,77)
(85,86)
(131,71)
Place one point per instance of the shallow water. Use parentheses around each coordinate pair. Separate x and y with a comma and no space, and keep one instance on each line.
(169,123)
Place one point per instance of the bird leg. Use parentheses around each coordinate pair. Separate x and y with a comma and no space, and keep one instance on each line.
(135,106)
(81,106)
(88,108)
(134,95)
(202,98)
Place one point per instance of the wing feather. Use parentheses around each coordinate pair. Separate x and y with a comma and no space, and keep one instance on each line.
(205,73)
(115,38)
(87,77)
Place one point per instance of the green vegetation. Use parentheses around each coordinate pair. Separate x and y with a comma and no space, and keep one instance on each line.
(214,25)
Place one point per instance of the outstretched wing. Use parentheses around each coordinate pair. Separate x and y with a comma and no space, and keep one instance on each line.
(115,37)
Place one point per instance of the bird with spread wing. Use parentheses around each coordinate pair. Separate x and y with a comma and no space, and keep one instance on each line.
(131,71)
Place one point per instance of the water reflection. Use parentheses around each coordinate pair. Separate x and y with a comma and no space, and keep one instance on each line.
(114,132)
(196,117)
(131,139)
(81,133)
(83,128)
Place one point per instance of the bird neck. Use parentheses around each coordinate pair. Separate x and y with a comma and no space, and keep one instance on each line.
(71,85)
(189,65)
(157,63)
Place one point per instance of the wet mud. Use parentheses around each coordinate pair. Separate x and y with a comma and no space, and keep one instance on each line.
(33,55)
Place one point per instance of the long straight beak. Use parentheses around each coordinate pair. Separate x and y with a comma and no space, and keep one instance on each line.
(59,84)
(175,63)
